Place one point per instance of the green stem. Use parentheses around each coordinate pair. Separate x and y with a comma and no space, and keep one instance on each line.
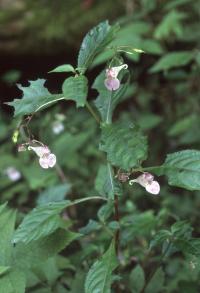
(92,112)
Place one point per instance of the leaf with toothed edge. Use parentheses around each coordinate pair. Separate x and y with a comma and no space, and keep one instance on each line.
(35,97)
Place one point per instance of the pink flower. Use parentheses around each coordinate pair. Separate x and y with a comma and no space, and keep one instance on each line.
(111,82)
(46,158)
(147,181)
(13,174)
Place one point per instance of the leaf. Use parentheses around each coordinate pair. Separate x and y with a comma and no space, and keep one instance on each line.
(172,60)
(171,23)
(106,184)
(43,220)
(34,253)
(137,279)
(12,282)
(182,125)
(75,88)
(63,68)
(7,224)
(105,211)
(156,283)
(3,270)
(182,169)
(35,97)
(107,101)
(125,145)
(94,42)
(55,193)
(90,227)
(99,277)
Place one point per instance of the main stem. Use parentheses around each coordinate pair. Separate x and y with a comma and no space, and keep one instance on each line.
(92,112)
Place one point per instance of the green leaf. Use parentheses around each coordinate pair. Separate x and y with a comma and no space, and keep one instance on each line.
(40,222)
(106,184)
(35,97)
(52,194)
(182,169)
(172,60)
(105,211)
(63,68)
(7,224)
(32,254)
(125,145)
(183,125)
(107,100)
(171,23)
(156,283)
(90,227)
(75,88)
(137,279)
(3,270)
(94,42)
(99,277)
(43,220)
(13,282)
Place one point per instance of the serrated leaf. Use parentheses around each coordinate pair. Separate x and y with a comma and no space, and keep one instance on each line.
(137,279)
(99,277)
(44,220)
(63,68)
(34,253)
(106,184)
(35,97)
(94,42)
(52,194)
(7,224)
(125,145)
(12,282)
(172,60)
(182,169)
(76,89)
(108,100)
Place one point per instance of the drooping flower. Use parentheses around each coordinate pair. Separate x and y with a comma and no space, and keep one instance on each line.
(111,82)
(13,174)
(147,181)
(57,127)
(46,158)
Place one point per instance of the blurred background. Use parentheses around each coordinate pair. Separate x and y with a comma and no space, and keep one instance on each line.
(163,98)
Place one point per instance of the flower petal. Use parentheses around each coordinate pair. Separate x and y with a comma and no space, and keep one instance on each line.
(153,187)
(40,150)
(51,160)
(112,84)
(44,162)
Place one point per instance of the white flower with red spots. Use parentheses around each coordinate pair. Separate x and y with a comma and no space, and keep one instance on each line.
(147,181)
(111,82)
(46,158)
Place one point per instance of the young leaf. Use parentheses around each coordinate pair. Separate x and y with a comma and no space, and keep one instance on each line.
(94,42)
(172,60)
(63,68)
(35,97)
(106,100)
(105,182)
(182,169)
(124,144)
(75,88)
(137,279)
(99,277)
